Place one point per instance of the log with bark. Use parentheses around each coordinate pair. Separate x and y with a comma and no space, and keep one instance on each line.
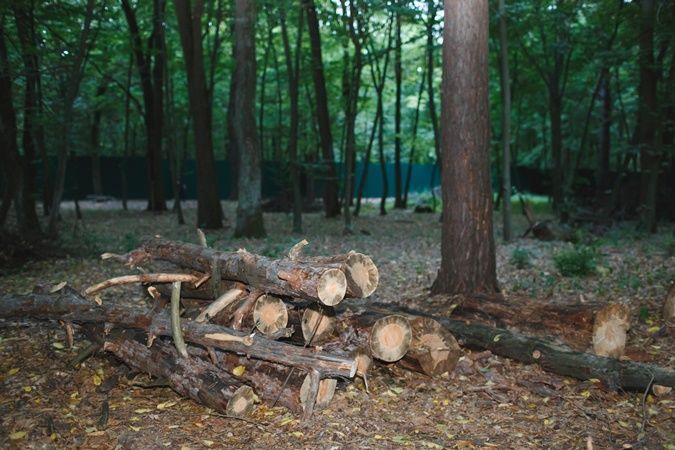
(194,378)
(68,305)
(286,277)
(552,357)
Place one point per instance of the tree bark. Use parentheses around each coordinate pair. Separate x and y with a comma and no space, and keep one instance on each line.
(467,249)
(249,210)
(209,211)
(506,121)
(194,378)
(330,195)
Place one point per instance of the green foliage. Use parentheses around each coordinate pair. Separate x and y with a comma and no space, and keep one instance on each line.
(577,262)
(520,258)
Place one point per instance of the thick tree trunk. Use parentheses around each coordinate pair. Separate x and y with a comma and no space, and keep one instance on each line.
(249,210)
(209,211)
(9,151)
(648,120)
(25,26)
(467,248)
(506,121)
(330,195)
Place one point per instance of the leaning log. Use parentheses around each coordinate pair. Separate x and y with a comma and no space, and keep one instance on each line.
(285,277)
(552,357)
(190,377)
(69,306)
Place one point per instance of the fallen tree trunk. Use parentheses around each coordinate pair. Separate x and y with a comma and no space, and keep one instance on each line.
(190,377)
(69,306)
(559,359)
(324,284)
(571,323)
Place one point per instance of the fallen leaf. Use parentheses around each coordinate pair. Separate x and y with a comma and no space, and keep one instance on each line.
(17,435)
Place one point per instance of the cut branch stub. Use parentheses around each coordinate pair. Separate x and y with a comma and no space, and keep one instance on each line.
(270,314)
(390,338)
(318,323)
(433,348)
(609,330)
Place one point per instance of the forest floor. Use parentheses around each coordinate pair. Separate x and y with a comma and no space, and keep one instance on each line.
(487,402)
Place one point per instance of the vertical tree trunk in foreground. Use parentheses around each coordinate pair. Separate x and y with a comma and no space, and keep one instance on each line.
(506,121)
(467,248)
(249,210)
(330,195)
(209,211)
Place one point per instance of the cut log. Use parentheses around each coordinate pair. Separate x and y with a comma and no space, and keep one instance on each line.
(433,349)
(390,338)
(70,306)
(323,284)
(270,314)
(362,274)
(609,330)
(552,357)
(194,378)
(315,323)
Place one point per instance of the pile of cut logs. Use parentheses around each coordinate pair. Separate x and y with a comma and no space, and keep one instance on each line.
(229,328)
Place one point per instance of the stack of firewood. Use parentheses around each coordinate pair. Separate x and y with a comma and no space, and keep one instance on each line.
(270,329)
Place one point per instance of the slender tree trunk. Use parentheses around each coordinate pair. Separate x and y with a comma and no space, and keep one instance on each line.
(604,136)
(398,182)
(71,90)
(353,84)
(95,135)
(151,85)
(506,121)
(249,210)
(648,120)
(263,85)
(209,211)
(292,69)
(330,195)
(411,154)
(467,247)
(433,117)
(366,161)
